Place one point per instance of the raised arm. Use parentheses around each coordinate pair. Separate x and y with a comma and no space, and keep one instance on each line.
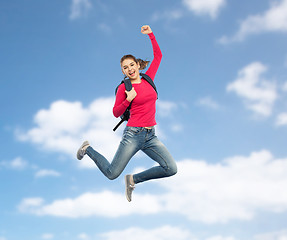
(157,55)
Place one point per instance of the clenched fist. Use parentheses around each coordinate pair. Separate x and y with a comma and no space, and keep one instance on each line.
(146,29)
(131,94)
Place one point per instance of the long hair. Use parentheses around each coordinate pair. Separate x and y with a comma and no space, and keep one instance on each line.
(143,64)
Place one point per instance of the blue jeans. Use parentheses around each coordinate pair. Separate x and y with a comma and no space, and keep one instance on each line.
(133,140)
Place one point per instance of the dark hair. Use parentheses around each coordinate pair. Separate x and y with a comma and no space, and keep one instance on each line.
(143,64)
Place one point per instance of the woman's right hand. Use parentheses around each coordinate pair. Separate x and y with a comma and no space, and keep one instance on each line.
(131,94)
(146,29)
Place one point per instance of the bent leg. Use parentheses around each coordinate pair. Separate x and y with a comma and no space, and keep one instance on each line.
(159,153)
(126,150)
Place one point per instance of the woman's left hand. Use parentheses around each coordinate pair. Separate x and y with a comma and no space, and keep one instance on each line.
(146,29)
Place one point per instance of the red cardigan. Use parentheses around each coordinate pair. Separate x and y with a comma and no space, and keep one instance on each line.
(142,112)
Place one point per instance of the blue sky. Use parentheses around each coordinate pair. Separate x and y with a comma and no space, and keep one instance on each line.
(221,112)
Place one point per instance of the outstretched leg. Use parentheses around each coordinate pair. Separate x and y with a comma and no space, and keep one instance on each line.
(126,150)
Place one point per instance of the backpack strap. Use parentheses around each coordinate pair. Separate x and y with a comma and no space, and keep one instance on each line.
(119,123)
(128,86)
(125,116)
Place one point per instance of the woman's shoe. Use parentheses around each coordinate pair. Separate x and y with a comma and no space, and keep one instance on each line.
(130,186)
(82,150)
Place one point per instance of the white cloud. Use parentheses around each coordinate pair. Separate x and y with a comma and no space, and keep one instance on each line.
(79,8)
(281,119)
(173,14)
(165,232)
(47,173)
(168,109)
(280,235)
(220,238)
(2,238)
(17,163)
(209,103)
(210,8)
(161,233)
(65,125)
(165,108)
(237,188)
(284,88)
(47,236)
(83,236)
(176,127)
(258,94)
(273,20)
(105,204)
(105,28)
(29,204)
(205,7)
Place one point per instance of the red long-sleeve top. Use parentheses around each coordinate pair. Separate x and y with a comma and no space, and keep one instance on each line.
(143,107)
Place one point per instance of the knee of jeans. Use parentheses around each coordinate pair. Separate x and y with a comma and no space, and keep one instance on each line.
(112,176)
(172,170)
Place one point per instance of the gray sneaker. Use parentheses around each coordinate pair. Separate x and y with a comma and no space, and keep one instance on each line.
(82,150)
(129,187)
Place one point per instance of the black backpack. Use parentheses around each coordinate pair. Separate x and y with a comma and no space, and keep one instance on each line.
(128,86)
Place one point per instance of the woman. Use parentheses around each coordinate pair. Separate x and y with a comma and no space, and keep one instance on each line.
(139,133)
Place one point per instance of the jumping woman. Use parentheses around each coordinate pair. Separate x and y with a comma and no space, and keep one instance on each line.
(139,134)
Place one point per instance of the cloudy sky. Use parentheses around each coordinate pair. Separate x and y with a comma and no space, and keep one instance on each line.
(222,113)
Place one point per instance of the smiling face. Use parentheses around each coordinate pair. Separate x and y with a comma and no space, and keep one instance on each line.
(130,68)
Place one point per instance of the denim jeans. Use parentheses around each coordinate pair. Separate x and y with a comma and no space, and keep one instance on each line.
(133,140)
